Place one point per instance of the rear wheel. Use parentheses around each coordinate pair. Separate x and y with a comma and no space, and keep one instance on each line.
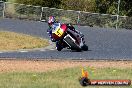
(85,47)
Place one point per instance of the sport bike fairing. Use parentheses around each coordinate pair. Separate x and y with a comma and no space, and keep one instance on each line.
(57,29)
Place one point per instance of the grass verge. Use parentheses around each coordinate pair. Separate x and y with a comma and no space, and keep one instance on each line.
(15,41)
(65,78)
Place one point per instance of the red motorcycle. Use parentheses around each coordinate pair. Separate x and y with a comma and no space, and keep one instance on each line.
(66,38)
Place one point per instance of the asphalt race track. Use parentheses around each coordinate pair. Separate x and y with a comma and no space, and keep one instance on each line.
(103,43)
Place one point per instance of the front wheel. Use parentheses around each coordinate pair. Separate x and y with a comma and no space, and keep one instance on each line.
(59,46)
(85,47)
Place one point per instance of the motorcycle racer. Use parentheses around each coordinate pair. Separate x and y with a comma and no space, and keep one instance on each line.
(53,24)
(52,21)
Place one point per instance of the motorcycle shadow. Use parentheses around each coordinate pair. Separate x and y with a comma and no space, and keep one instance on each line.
(67,50)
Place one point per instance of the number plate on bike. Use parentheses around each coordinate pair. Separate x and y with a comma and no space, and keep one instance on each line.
(58,32)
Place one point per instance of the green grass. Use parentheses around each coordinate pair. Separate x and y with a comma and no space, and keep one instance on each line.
(67,78)
(15,41)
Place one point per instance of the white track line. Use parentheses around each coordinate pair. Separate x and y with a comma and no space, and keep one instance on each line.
(23,51)
(1,52)
(52,49)
(42,50)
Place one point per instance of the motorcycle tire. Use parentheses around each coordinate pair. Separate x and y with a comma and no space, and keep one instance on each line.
(85,47)
(59,48)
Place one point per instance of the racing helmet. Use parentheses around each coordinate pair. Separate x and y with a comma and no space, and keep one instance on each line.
(51,20)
